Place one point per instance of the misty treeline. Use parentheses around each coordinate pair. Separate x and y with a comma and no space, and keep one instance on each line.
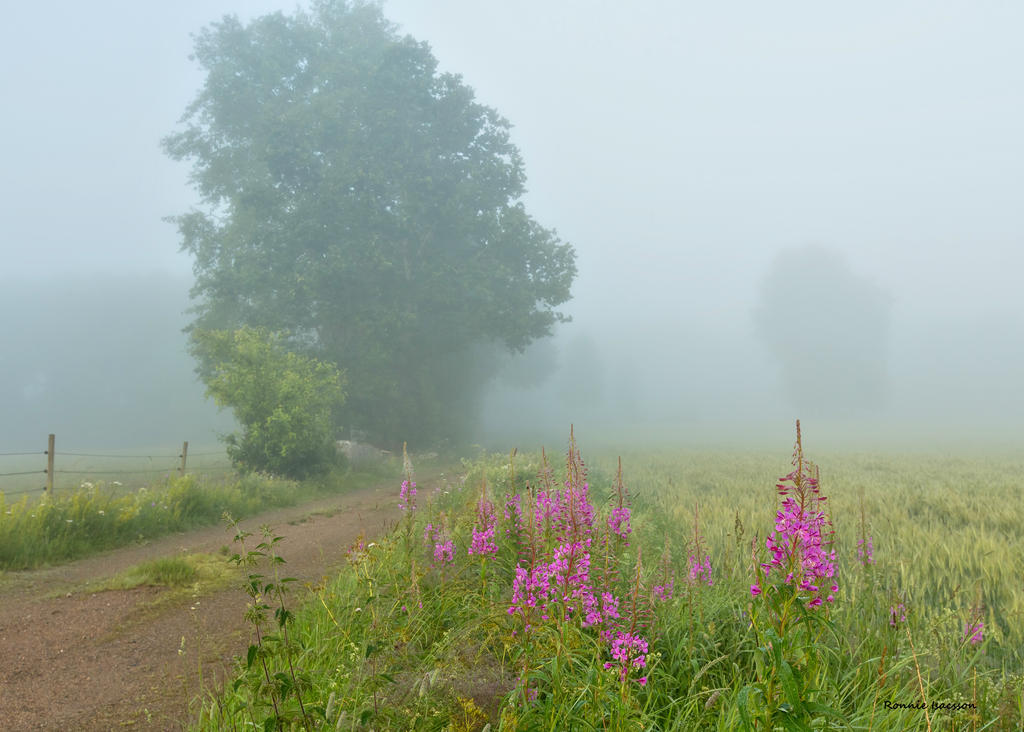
(102,361)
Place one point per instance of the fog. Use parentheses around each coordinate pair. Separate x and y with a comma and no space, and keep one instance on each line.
(796,210)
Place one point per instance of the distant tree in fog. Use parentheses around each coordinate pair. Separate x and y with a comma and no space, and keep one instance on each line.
(828,329)
(358,198)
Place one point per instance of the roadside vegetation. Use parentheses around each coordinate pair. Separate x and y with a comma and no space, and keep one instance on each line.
(692,591)
(37,531)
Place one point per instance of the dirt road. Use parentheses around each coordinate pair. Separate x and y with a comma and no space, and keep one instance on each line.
(72,658)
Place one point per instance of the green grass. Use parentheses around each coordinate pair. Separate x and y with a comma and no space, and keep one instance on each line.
(162,572)
(394,642)
(41,531)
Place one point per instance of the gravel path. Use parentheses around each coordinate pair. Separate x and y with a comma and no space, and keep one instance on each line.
(72,658)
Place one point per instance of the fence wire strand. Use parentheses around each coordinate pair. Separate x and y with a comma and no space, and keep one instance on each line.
(58,454)
(27,490)
(133,457)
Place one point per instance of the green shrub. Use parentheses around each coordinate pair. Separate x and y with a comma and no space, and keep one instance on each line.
(283,400)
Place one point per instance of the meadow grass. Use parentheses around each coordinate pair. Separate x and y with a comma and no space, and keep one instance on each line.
(652,602)
(36,531)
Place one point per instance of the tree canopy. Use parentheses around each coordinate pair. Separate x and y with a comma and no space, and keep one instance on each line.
(361,200)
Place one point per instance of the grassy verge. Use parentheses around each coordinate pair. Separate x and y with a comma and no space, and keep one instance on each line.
(533,598)
(36,532)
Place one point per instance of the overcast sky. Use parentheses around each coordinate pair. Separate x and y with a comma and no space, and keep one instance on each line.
(679,146)
(701,137)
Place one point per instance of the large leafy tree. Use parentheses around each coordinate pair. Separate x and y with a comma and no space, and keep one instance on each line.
(364,202)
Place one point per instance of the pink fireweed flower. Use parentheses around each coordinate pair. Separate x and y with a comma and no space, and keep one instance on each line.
(567,512)
(444,552)
(897,614)
(974,628)
(866,551)
(513,514)
(664,592)
(604,612)
(531,589)
(483,532)
(565,580)
(629,652)
(618,522)
(796,549)
(755,590)
(438,540)
(407,496)
(700,571)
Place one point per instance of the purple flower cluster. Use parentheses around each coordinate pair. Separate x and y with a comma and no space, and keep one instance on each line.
(565,579)
(618,522)
(513,514)
(568,512)
(700,571)
(974,629)
(897,614)
(797,551)
(483,532)
(407,496)
(664,592)
(629,652)
(557,585)
(443,546)
(866,551)
(606,611)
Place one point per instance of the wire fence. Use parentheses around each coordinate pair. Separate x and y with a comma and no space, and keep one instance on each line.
(38,471)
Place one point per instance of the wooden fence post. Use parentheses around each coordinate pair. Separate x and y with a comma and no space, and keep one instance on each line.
(49,466)
(184,457)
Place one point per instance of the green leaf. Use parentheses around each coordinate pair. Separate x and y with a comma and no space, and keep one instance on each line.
(791,687)
(817,709)
(743,704)
(250,657)
(792,724)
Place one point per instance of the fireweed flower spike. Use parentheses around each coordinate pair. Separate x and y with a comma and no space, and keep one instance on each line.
(700,571)
(438,541)
(629,652)
(407,496)
(483,532)
(800,544)
(974,628)
(866,551)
